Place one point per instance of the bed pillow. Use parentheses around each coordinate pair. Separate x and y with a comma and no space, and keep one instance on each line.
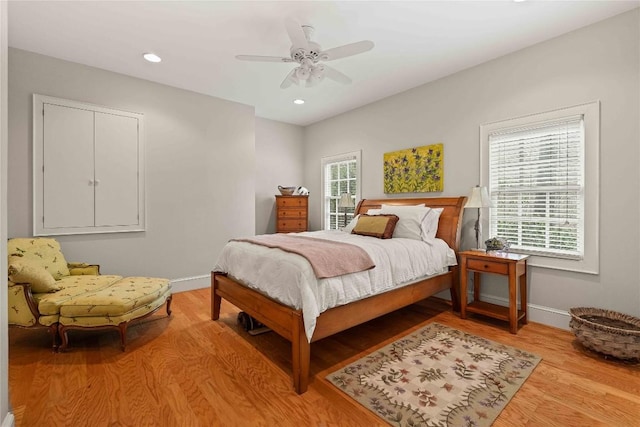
(374,211)
(352,223)
(430,224)
(410,220)
(380,226)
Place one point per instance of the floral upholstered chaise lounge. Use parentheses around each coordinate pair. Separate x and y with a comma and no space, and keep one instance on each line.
(46,291)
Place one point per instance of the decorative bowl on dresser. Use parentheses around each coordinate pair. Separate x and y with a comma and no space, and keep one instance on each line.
(286,191)
(292,214)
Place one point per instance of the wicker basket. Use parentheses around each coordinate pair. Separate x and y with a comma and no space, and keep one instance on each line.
(607,332)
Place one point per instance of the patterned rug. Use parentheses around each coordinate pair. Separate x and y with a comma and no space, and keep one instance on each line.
(437,376)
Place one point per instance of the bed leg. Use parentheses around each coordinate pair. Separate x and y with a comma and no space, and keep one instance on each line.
(300,354)
(455,286)
(215,298)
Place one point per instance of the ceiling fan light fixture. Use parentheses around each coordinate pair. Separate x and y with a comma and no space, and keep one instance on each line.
(152,57)
(302,73)
(298,101)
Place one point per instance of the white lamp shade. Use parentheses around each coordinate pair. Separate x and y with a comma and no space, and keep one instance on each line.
(479,198)
(346,201)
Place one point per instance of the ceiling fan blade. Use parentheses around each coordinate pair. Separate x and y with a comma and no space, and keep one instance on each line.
(259,58)
(333,74)
(290,79)
(296,34)
(346,50)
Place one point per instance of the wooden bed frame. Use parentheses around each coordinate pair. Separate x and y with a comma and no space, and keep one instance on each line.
(288,322)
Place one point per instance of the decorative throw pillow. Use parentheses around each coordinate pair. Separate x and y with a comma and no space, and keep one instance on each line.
(41,281)
(380,226)
(410,220)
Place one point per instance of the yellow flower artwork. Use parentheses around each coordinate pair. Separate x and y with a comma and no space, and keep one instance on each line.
(414,170)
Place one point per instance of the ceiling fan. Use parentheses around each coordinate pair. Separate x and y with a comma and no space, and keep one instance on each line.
(309,57)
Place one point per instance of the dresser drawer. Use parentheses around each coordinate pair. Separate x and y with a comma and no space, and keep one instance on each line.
(292,213)
(292,225)
(487,266)
(292,202)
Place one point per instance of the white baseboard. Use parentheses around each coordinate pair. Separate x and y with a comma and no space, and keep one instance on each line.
(190,283)
(8,420)
(537,313)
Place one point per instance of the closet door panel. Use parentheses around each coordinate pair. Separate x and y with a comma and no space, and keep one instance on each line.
(116,168)
(68,191)
(88,168)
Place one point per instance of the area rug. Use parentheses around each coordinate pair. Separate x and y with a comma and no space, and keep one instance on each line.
(437,376)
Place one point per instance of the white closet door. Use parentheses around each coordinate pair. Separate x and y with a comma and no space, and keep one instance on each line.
(68,191)
(116,170)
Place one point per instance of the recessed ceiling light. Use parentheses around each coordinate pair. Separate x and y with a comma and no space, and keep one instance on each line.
(152,57)
(298,101)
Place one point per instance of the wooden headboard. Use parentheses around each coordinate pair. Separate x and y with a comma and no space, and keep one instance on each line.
(450,220)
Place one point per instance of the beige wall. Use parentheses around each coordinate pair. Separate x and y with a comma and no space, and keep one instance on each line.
(599,62)
(279,161)
(200,169)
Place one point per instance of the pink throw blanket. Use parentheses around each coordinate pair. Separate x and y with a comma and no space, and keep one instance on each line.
(327,258)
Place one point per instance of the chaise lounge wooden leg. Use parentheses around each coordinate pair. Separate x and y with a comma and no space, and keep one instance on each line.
(169,299)
(62,332)
(53,330)
(122,327)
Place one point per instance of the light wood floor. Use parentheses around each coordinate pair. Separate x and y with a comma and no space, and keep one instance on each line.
(190,371)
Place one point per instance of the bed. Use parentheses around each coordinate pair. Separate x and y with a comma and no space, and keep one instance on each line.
(289,322)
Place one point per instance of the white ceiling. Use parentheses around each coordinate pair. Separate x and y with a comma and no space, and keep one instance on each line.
(415,42)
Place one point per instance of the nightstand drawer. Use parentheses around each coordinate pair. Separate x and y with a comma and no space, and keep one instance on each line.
(487,266)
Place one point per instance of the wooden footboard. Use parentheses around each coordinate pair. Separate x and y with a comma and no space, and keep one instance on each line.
(289,323)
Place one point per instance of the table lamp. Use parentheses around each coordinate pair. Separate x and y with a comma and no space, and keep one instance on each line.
(479,198)
(345,203)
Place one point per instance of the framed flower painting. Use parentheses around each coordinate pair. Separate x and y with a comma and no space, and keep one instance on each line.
(414,170)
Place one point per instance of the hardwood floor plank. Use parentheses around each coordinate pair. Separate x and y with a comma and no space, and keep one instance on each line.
(186,370)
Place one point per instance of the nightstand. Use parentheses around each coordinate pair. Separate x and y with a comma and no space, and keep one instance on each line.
(514,266)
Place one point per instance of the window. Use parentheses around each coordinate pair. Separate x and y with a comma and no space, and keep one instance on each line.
(340,174)
(542,175)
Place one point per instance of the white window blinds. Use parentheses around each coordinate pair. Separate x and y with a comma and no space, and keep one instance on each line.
(536,182)
(340,175)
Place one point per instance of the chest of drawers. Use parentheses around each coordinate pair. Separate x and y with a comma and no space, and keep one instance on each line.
(292,214)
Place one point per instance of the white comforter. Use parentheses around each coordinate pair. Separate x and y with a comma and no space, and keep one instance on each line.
(289,278)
